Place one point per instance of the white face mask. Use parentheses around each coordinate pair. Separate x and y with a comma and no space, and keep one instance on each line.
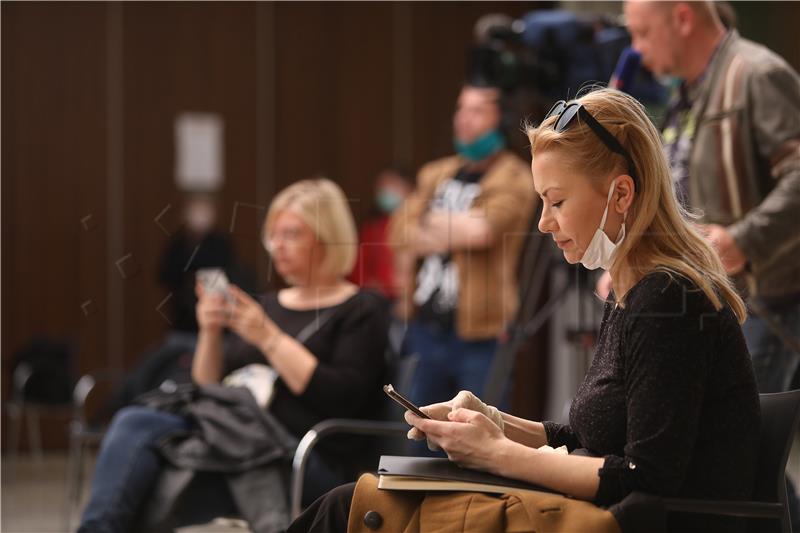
(200,217)
(600,252)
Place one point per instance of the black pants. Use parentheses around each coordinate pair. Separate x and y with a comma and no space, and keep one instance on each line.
(328,514)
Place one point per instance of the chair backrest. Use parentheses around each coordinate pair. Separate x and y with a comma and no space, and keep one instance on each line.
(780,416)
(43,371)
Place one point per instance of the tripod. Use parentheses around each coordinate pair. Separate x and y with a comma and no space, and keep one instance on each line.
(539,261)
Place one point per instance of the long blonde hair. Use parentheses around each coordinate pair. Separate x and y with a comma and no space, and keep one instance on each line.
(659,236)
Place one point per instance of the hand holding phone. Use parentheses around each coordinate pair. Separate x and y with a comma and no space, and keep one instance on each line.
(213,280)
(402,400)
(213,313)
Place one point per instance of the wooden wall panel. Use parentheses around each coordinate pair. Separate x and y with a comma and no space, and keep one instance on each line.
(87,83)
(337,88)
(53,166)
(773,24)
(180,57)
(334,94)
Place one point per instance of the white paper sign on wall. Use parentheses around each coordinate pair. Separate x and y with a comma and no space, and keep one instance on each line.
(199,153)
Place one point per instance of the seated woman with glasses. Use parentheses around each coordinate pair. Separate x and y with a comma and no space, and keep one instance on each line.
(317,345)
(669,405)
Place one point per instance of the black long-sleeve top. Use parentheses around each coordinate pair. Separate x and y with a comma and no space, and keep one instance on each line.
(670,401)
(350,346)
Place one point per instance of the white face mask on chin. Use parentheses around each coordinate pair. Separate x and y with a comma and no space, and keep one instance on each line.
(600,252)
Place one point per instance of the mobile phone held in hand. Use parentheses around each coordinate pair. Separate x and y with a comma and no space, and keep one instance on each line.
(402,400)
(213,280)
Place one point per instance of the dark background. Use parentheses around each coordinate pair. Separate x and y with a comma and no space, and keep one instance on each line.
(89,95)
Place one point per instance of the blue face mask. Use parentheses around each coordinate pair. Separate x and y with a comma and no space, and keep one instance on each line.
(387,201)
(482,147)
(669,82)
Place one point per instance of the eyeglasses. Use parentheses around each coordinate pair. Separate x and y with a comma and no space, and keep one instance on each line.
(566,114)
(288,236)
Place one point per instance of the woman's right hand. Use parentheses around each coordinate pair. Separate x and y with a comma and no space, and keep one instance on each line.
(462,400)
(212,310)
(437,411)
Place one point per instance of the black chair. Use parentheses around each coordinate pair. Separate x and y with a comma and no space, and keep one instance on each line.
(98,395)
(390,427)
(768,512)
(41,381)
(86,430)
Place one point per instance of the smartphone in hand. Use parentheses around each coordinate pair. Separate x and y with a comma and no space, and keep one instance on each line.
(214,281)
(402,400)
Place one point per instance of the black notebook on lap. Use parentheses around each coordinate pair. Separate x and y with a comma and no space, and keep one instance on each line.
(433,473)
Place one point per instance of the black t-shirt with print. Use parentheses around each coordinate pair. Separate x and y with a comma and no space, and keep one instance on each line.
(436,292)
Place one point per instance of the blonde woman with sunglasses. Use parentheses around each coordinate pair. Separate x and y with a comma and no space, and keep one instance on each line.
(669,405)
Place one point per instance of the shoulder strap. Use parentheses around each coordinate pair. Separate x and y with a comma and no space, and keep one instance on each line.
(316,324)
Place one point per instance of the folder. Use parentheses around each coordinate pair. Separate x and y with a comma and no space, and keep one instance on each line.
(439,474)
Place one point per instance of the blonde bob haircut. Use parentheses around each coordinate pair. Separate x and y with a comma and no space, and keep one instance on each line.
(660,235)
(323,206)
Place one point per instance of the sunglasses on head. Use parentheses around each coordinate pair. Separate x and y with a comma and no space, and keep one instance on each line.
(566,113)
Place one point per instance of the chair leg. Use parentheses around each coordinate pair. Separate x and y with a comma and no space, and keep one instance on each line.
(35,436)
(785,525)
(81,472)
(73,480)
(15,415)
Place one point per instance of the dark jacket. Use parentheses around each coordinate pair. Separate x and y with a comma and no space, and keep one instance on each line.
(232,436)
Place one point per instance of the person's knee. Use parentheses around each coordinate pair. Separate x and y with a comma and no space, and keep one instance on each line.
(128,417)
(131,421)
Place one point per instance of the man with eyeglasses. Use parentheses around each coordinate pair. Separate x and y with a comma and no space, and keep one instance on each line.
(463,227)
(732,137)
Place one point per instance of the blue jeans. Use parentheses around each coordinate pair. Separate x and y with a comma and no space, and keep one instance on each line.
(127,468)
(773,363)
(447,364)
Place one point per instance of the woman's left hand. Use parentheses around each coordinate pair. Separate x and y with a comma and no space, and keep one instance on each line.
(248,319)
(469,438)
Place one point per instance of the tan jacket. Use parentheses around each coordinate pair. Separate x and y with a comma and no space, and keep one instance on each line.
(488,295)
(473,512)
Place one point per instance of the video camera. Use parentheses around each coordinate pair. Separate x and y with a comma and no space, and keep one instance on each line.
(556,53)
